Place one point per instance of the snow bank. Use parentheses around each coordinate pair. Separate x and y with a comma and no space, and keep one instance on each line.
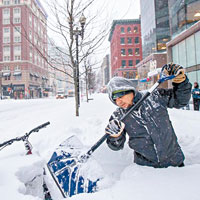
(123,179)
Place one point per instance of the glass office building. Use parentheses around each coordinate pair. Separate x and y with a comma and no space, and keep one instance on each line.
(184,48)
(183,14)
(154,25)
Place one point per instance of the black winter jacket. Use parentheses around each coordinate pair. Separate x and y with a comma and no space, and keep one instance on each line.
(150,131)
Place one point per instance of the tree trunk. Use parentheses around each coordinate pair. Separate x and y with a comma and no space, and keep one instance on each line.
(86,87)
(76,93)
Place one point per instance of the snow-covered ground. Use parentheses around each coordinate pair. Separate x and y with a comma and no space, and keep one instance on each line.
(123,179)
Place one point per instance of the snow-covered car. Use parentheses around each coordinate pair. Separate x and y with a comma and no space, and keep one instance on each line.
(5,97)
(60,95)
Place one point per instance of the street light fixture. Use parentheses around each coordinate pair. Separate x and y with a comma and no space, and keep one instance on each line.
(82,21)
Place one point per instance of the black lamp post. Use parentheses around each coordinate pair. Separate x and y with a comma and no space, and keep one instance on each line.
(1,76)
(78,33)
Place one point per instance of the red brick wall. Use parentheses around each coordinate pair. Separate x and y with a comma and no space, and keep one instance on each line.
(116,57)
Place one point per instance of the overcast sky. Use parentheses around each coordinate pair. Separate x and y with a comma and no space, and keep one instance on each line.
(108,10)
(123,9)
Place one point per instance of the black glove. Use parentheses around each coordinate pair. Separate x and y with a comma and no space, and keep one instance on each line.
(177,70)
(115,128)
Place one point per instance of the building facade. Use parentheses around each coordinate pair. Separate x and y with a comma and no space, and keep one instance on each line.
(23,40)
(105,70)
(184,49)
(154,25)
(60,72)
(149,70)
(125,47)
(180,32)
(183,14)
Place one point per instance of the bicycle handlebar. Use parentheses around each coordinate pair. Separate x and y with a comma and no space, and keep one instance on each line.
(24,136)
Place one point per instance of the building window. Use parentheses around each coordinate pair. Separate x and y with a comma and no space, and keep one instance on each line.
(130,63)
(6,21)
(129,40)
(6,39)
(35,57)
(17,29)
(17,39)
(17,52)
(6,49)
(7,78)
(6,16)
(30,19)
(135,29)
(136,40)
(190,48)
(122,40)
(35,24)
(18,78)
(6,68)
(130,52)
(17,35)
(17,68)
(137,51)
(137,61)
(17,57)
(123,63)
(17,11)
(6,58)
(127,74)
(35,39)
(30,35)
(129,29)
(123,52)
(16,1)
(122,30)
(17,20)
(31,54)
(6,2)
(6,30)
(17,48)
(6,12)
(197,42)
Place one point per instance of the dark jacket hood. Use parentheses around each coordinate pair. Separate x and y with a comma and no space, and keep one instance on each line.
(119,83)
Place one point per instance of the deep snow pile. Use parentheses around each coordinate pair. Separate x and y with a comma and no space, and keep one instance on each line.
(122,179)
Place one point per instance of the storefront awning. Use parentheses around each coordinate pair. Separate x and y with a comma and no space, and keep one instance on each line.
(6,73)
(17,73)
(44,78)
(154,72)
(36,75)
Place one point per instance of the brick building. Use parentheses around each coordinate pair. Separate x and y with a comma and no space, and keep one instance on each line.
(126,47)
(23,44)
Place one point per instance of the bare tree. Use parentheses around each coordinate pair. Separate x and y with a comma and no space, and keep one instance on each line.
(66,15)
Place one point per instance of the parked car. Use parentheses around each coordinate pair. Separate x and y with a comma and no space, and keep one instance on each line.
(5,97)
(60,95)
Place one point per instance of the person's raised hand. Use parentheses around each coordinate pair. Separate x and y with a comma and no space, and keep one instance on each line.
(115,128)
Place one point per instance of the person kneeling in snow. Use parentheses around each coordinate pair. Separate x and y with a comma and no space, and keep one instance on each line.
(151,134)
